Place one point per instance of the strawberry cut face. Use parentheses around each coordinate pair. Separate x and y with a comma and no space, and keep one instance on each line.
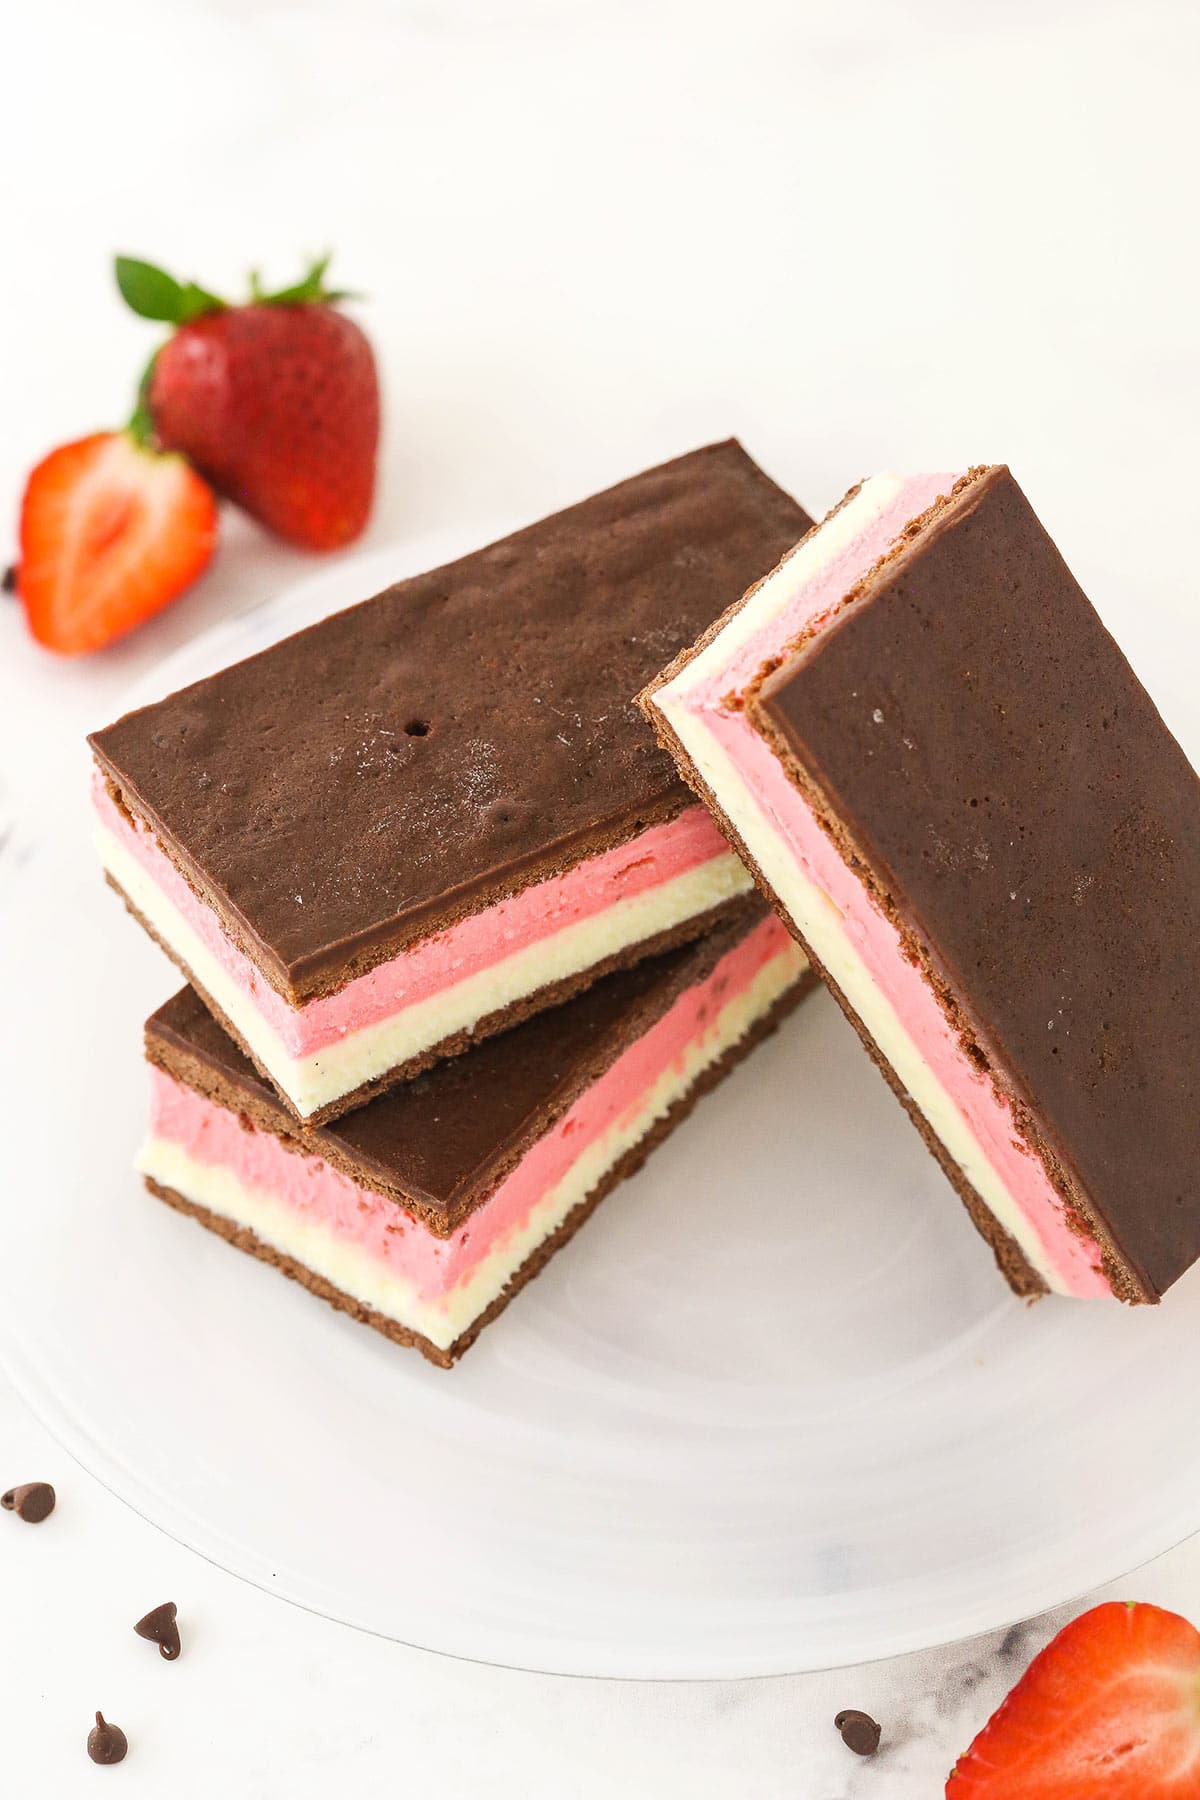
(1110,1710)
(110,534)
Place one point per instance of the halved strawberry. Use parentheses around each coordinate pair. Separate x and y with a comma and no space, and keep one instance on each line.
(1110,1710)
(110,533)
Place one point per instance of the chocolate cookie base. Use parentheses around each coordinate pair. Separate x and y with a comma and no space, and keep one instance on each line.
(687,932)
(629,1164)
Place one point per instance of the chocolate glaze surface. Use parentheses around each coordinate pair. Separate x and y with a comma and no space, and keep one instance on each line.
(980,741)
(385,772)
(441,1143)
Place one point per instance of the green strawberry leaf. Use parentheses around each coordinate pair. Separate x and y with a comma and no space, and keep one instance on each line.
(308,291)
(197,301)
(153,294)
(309,288)
(141,423)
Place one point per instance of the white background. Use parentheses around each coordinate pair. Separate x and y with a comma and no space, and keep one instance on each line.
(592,234)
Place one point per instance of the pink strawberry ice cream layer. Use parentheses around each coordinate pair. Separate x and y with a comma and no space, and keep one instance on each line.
(436,963)
(315,1194)
(1068,1260)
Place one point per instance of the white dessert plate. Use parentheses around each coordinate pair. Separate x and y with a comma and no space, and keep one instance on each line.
(772,1410)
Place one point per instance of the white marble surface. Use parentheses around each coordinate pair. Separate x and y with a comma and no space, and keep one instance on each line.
(594,232)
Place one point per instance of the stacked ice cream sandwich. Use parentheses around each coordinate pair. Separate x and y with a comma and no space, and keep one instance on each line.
(463,946)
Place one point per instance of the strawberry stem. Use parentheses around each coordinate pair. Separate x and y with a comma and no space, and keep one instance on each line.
(153,294)
(310,290)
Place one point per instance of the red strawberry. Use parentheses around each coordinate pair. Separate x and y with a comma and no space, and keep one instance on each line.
(1110,1710)
(110,532)
(276,402)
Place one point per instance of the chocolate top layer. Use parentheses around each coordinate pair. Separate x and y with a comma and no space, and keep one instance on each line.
(985,747)
(441,1143)
(389,770)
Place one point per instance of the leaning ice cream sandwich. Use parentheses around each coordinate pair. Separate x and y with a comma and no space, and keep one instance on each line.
(424,818)
(424,1212)
(947,778)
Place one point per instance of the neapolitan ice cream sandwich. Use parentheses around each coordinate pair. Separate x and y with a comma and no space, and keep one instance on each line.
(424,818)
(425,1211)
(946,776)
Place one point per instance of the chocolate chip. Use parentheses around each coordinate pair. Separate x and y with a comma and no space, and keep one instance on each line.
(106,1743)
(33,1502)
(859,1732)
(161,1629)
(8,581)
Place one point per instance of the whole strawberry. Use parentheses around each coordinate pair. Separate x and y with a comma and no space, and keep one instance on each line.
(276,402)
